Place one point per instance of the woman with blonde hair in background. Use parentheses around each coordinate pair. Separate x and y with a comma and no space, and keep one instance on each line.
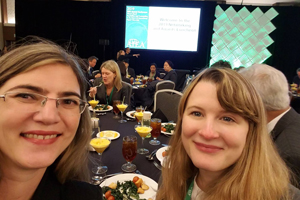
(112,88)
(45,128)
(221,149)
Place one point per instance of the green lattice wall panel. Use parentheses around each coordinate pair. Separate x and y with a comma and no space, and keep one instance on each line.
(242,37)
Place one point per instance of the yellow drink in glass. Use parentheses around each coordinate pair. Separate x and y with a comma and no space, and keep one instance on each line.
(93,103)
(122,107)
(100,144)
(143,131)
(139,116)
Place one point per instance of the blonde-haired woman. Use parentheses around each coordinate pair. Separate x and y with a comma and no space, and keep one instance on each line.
(112,87)
(221,149)
(45,128)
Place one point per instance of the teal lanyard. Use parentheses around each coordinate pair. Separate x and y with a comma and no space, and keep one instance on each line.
(189,192)
(110,97)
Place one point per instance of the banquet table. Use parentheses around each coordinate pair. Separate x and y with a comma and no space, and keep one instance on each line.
(112,157)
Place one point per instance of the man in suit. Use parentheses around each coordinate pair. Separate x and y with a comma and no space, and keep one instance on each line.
(283,121)
(130,73)
(296,79)
(92,63)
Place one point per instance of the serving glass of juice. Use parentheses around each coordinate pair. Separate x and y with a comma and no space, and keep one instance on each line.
(122,107)
(94,103)
(139,116)
(143,131)
(129,150)
(100,144)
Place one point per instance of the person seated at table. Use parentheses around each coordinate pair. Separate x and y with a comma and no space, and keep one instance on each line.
(112,87)
(170,72)
(222,64)
(122,56)
(221,148)
(45,126)
(130,73)
(296,79)
(153,73)
(122,68)
(283,120)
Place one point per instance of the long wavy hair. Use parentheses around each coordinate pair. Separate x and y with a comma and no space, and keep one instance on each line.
(112,66)
(259,173)
(72,163)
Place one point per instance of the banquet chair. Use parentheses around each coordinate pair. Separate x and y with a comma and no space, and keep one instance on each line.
(129,89)
(165,84)
(167,101)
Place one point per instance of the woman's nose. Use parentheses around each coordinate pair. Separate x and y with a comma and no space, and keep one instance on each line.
(48,113)
(208,130)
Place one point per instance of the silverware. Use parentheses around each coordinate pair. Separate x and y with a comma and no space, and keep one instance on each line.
(151,155)
(138,172)
(102,178)
(157,165)
(96,86)
(164,145)
(101,113)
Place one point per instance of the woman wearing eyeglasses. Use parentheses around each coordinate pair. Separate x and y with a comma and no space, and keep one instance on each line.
(45,128)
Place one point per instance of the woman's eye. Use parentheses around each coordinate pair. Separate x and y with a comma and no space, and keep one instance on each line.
(227,119)
(25,96)
(197,114)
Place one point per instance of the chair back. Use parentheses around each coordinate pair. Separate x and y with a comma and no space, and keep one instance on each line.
(165,84)
(167,101)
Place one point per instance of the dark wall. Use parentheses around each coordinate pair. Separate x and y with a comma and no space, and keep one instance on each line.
(87,22)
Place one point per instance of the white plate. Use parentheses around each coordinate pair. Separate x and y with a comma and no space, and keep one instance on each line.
(108,131)
(163,125)
(128,114)
(109,108)
(128,177)
(159,154)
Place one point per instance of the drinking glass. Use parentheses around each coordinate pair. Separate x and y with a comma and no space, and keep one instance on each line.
(143,131)
(94,103)
(100,144)
(116,109)
(139,114)
(95,123)
(156,129)
(129,150)
(122,108)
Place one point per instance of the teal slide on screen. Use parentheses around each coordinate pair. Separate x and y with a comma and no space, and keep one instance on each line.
(162,28)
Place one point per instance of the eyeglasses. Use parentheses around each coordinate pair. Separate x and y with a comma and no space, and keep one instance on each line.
(32,102)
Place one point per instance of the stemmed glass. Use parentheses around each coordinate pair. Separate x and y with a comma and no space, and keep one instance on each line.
(129,149)
(100,144)
(156,129)
(143,131)
(122,107)
(94,103)
(116,109)
(139,116)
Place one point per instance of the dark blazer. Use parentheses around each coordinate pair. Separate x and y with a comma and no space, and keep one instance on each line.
(171,75)
(296,80)
(157,74)
(117,95)
(286,135)
(131,72)
(50,189)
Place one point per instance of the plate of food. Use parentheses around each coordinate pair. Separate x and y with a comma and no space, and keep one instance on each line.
(162,153)
(101,108)
(130,114)
(168,128)
(112,135)
(127,185)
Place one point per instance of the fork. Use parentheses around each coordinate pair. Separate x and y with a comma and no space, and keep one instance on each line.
(157,165)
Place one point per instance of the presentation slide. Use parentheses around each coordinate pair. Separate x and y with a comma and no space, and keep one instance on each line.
(162,28)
